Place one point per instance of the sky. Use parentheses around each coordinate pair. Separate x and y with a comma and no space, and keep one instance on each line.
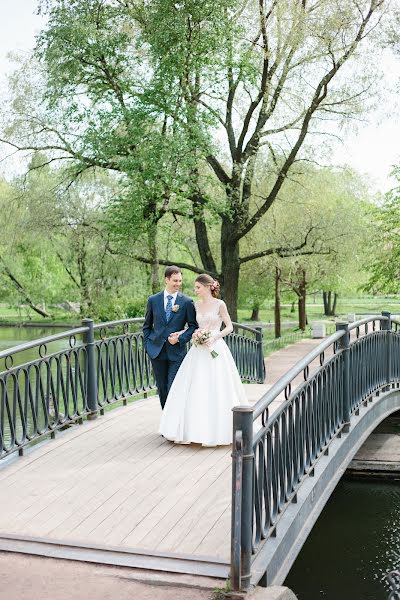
(373,148)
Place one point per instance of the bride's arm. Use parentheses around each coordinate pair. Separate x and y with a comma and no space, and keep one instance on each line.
(223,311)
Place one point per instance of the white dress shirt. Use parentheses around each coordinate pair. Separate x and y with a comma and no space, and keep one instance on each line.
(166,294)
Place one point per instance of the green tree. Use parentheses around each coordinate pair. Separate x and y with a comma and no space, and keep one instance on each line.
(332,208)
(384,244)
(157,91)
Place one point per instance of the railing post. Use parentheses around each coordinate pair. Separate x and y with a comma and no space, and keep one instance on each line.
(90,369)
(387,326)
(242,432)
(344,346)
(260,363)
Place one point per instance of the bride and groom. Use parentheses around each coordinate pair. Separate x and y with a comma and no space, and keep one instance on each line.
(197,389)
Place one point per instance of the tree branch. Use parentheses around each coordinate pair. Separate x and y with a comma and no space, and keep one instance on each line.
(21,290)
(73,154)
(218,169)
(181,265)
(278,251)
(319,96)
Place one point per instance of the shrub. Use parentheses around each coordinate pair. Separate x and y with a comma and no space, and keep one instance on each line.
(136,308)
(109,308)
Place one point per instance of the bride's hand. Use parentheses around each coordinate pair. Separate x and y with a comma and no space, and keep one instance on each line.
(173,338)
(211,342)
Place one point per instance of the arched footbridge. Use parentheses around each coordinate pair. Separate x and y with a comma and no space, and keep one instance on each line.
(111,490)
(287,461)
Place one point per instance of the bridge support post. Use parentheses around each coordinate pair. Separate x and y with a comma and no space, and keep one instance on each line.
(387,326)
(261,364)
(344,346)
(90,370)
(242,494)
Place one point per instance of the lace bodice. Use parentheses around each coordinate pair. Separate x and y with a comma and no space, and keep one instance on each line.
(209,319)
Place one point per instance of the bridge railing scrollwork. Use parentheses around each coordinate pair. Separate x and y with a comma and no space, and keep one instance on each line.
(393,580)
(44,388)
(286,433)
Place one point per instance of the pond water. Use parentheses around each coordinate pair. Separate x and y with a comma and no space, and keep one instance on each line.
(13,336)
(354,543)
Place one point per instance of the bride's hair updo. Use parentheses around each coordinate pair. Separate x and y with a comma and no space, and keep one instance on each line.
(213,284)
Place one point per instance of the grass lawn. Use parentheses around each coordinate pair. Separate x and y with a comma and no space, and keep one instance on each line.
(315,311)
(359,306)
(27,315)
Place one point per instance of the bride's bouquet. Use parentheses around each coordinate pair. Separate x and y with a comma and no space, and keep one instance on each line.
(200,337)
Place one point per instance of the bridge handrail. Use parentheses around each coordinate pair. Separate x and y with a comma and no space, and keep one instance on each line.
(285,448)
(141,320)
(118,322)
(262,404)
(367,320)
(42,341)
(244,327)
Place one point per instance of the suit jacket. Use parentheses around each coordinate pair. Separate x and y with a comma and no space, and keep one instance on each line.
(156,329)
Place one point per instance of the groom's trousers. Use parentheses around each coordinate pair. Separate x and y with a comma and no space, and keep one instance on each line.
(164,372)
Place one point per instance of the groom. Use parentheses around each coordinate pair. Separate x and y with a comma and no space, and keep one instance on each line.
(167,313)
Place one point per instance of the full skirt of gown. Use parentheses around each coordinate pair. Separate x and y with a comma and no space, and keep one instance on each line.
(199,404)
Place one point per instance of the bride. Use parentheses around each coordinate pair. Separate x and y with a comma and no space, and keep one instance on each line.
(206,387)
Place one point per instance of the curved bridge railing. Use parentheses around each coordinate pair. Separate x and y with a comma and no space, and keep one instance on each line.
(393,580)
(278,442)
(44,388)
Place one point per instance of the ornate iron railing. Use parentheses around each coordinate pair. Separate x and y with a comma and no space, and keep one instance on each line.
(123,369)
(278,447)
(41,395)
(101,365)
(245,343)
(393,579)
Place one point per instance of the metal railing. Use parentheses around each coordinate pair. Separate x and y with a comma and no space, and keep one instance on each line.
(393,579)
(278,451)
(101,364)
(246,346)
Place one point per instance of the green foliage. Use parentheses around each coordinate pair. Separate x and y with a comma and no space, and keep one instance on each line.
(334,209)
(56,246)
(109,307)
(187,106)
(135,308)
(384,244)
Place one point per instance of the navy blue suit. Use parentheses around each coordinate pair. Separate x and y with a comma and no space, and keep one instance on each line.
(166,358)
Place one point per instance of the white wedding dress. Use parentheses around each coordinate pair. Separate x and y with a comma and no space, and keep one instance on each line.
(200,401)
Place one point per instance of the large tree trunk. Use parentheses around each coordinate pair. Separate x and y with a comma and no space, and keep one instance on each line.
(255,312)
(277,309)
(302,301)
(335,298)
(202,240)
(155,265)
(329,303)
(326,302)
(84,287)
(230,266)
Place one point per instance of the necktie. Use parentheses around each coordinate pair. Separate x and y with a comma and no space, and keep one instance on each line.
(168,308)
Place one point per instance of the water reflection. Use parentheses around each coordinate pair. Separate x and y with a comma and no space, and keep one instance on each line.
(13,336)
(354,543)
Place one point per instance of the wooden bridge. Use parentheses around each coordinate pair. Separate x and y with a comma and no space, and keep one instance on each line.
(113,491)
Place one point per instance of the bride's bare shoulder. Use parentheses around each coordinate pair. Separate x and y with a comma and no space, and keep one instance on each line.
(221,304)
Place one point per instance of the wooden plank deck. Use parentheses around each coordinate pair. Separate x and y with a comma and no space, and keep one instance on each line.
(113,490)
